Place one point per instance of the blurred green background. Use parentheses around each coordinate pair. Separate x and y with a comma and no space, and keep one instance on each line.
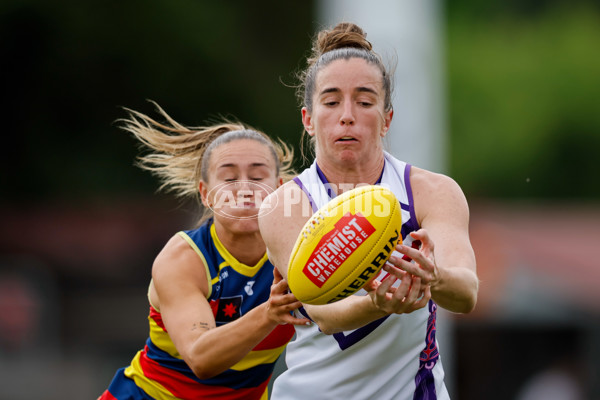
(523,95)
(524,98)
(522,77)
(68,67)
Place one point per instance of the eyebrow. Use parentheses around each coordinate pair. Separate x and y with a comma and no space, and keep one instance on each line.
(231,165)
(358,89)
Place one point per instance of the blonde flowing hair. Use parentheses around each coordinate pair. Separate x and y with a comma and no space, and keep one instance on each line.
(179,155)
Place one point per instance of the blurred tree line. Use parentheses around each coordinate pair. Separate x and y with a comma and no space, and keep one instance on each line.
(523,88)
(524,98)
(67,68)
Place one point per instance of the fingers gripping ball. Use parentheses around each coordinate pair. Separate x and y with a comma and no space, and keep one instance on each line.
(344,244)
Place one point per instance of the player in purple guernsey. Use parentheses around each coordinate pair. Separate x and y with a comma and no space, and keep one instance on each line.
(380,343)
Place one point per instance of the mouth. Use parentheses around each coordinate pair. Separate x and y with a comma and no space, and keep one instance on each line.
(245,204)
(346,139)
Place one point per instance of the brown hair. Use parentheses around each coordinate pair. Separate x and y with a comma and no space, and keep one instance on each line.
(344,41)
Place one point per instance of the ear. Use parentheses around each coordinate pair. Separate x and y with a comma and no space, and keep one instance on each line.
(203,188)
(387,122)
(307,122)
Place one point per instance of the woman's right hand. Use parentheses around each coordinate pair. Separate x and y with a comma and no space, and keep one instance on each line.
(409,295)
(282,302)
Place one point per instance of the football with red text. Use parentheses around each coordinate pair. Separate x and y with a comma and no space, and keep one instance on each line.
(344,245)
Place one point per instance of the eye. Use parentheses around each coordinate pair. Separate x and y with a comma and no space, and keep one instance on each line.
(365,103)
(330,101)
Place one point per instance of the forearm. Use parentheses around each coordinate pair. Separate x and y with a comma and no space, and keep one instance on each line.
(456,291)
(217,349)
(344,315)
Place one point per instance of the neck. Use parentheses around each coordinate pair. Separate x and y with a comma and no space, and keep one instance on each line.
(247,247)
(344,177)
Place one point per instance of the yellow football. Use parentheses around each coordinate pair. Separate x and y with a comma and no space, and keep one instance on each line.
(344,245)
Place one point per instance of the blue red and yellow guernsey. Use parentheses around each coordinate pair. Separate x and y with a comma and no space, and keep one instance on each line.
(235,289)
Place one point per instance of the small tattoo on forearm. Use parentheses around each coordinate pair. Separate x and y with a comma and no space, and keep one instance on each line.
(200,325)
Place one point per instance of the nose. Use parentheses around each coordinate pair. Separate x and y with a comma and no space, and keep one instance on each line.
(243,188)
(243,185)
(347,117)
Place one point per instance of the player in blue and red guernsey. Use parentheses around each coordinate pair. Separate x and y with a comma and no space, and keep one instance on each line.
(219,312)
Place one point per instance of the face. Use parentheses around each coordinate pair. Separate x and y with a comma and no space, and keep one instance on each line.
(240,175)
(348,118)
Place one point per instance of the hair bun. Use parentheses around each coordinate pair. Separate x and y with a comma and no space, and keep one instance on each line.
(344,34)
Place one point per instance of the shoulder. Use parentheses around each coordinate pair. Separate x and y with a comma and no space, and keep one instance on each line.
(425,178)
(176,246)
(176,268)
(281,218)
(177,259)
(436,193)
(427,183)
(284,207)
(287,199)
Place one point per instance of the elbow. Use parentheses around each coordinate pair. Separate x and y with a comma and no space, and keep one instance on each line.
(327,330)
(326,326)
(462,306)
(331,326)
(203,371)
(468,299)
(469,304)
(462,302)
(471,300)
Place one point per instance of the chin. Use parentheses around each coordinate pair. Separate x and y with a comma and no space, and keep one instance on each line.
(243,226)
(239,218)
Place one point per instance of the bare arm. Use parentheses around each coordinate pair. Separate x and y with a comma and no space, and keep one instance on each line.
(281,220)
(181,286)
(383,299)
(445,260)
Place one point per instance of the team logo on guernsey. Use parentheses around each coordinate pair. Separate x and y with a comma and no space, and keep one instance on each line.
(248,288)
(336,246)
(226,309)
